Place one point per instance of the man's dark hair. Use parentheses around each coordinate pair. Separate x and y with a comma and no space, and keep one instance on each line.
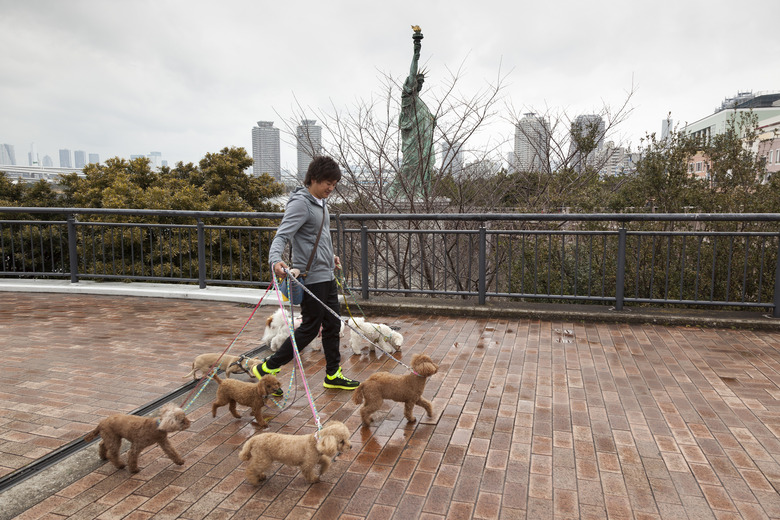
(322,168)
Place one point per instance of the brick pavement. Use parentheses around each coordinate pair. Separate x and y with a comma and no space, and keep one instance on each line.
(535,419)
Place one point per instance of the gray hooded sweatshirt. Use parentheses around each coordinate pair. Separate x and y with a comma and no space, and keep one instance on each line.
(300,225)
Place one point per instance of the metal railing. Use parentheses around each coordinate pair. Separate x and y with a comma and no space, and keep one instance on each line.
(701,260)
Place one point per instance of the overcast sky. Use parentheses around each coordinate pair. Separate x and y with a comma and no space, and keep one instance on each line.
(185,78)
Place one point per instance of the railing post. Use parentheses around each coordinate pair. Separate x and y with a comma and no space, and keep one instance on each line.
(73,250)
(201,255)
(364,260)
(776,312)
(482,263)
(621,270)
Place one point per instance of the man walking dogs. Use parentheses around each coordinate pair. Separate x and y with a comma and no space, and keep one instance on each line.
(306,226)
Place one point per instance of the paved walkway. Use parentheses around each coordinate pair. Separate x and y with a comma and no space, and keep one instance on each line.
(535,419)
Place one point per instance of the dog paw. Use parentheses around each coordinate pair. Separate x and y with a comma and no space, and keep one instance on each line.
(179,462)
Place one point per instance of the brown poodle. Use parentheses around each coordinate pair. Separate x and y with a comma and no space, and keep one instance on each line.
(141,432)
(204,362)
(253,395)
(405,389)
(304,451)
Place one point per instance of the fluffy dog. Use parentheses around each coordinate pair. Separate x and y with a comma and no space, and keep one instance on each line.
(141,432)
(304,451)
(277,330)
(405,389)
(388,339)
(204,362)
(253,395)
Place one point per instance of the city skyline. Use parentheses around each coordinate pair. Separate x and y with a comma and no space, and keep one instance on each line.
(189,92)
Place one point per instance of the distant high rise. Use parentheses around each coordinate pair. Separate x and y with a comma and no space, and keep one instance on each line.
(155,159)
(309,137)
(65,158)
(666,128)
(47,162)
(7,154)
(532,143)
(265,150)
(79,159)
(452,158)
(94,158)
(32,156)
(587,131)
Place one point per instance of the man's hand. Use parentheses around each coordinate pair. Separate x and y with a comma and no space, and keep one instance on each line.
(279,268)
(338,261)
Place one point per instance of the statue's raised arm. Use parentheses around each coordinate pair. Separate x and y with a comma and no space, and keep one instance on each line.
(411,80)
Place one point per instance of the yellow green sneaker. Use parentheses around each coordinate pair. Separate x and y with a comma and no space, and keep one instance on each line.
(338,380)
(261,370)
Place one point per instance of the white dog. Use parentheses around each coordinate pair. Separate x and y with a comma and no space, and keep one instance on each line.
(277,330)
(379,333)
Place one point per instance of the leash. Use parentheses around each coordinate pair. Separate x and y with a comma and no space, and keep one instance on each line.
(290,319)
(346,321)
(206,379)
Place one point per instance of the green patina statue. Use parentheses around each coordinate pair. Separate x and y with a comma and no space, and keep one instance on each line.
(417,124)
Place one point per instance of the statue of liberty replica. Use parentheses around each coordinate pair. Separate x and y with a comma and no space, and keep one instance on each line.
(417,124)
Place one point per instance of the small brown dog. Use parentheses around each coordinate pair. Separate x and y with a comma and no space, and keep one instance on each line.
(204,362)
(405,389)
(304,451)
(141,432)
(253,395)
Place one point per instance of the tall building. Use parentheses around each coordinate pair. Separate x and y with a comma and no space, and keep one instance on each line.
(532,144)
(155,159)
(65,158)
(587,131)
(79,159)
(452,158)
(32,156)
(309,140)
(7,154)
(94,158)
(265,150)
(666,128)
(47,162)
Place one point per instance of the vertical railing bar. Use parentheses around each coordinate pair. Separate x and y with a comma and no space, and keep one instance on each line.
(563,261)
(549,263)
(728,271)
(652,265)
(698,269)
(576,261)
(604,267)
(201,237)
(682,268)
(73,249)
(364,260)
(667,275)
(621,269)
(589,293)
(714,263)
(637,270)
(761,270)
(745,267)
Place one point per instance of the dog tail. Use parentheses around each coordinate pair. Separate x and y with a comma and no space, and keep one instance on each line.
(357,395)
(217,379)
(246,451)
(92,435)
(191,374)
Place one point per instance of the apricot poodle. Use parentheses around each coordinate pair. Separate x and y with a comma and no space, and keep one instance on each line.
(405,389)
(253,395)
(204,362)
(305,451)
(141,432)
